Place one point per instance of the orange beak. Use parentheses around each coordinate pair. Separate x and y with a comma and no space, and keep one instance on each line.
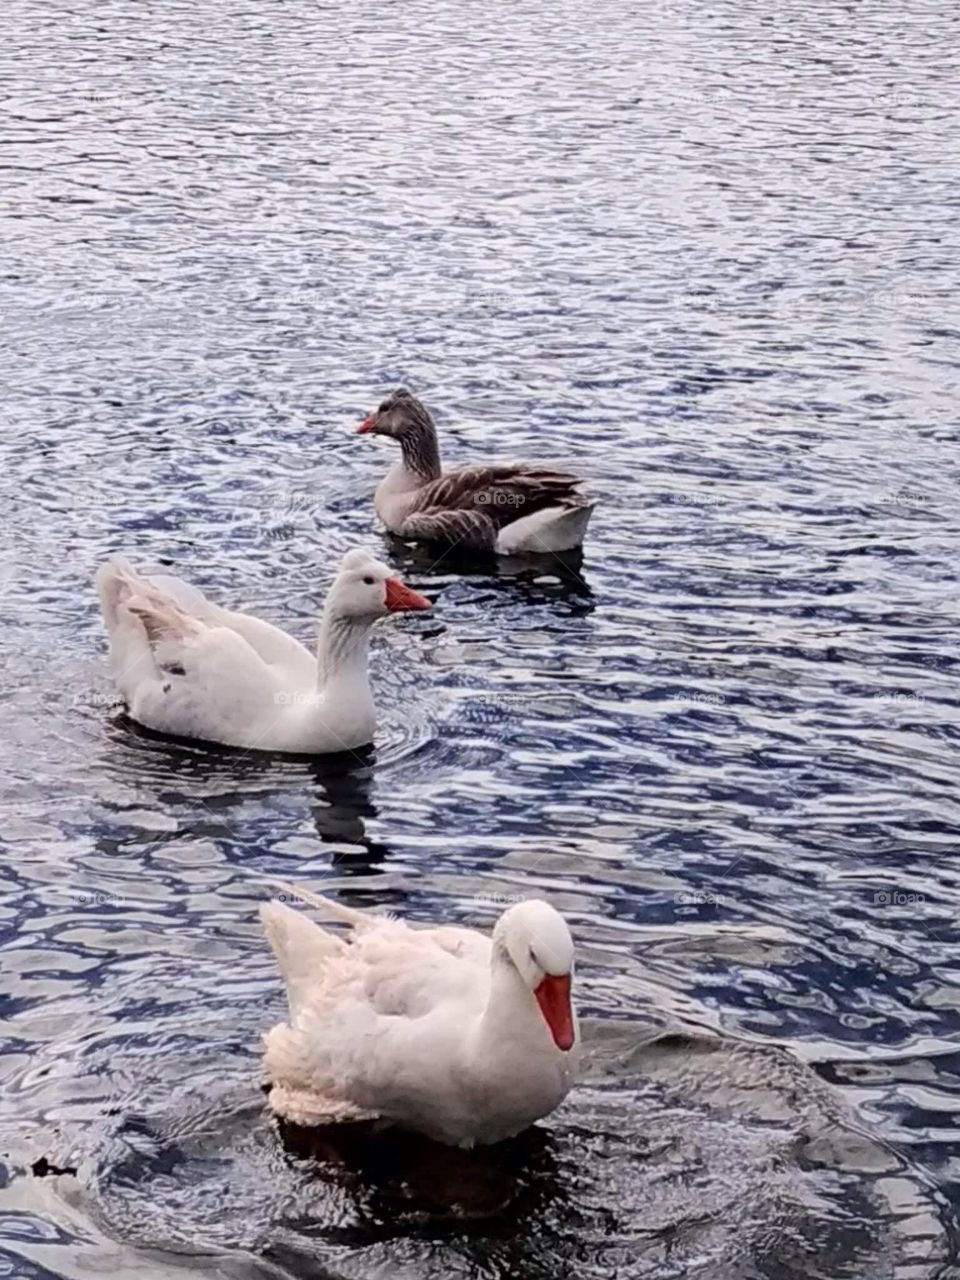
(553,997)
(400,599)
(366,424)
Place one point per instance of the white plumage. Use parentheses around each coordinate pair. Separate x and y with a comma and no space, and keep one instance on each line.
(442,1030)
(188,667)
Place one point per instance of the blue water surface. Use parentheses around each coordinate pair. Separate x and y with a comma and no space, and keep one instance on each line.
(706,254)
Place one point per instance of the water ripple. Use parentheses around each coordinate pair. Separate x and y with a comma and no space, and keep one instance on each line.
(709,258)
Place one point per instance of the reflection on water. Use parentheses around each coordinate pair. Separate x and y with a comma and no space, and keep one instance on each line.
(536,579)
(685,1154)
(212,787)
(702,255)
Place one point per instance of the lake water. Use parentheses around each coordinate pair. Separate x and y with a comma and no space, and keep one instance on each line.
(705,253)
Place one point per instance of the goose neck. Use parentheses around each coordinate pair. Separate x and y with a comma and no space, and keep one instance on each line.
(421,453)
(511,1010)
(342,650)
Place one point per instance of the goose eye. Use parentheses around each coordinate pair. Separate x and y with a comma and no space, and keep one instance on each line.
(369,581)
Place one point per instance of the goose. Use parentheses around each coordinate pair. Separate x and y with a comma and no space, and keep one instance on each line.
(506,507)
(188,667)
(445,1031)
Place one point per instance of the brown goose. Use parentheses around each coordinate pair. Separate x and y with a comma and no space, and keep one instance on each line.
(507,507)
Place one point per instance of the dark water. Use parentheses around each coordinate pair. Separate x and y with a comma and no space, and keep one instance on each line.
(708,253)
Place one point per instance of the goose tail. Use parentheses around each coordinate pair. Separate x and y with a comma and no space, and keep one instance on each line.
(115,582)
(131,654)
(301,949)
(336,910)
(552,529)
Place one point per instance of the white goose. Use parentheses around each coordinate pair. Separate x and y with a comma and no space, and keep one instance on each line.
(186,666)
(441,1030)
(506,507)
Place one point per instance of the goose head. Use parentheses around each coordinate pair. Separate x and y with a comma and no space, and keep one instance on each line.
(400,416)
(534,938)
(364,589)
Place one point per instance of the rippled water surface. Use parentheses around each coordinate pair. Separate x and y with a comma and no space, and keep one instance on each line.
(708,255)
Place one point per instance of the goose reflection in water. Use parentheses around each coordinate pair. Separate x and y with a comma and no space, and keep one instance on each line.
(530,579)
(246,802)
(342,807)
(405,1175)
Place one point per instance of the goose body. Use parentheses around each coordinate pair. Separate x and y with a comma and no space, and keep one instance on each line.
(464,1038)
(509,507)
(187,666)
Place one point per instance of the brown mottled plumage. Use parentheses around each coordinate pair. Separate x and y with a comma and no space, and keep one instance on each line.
(480,506)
